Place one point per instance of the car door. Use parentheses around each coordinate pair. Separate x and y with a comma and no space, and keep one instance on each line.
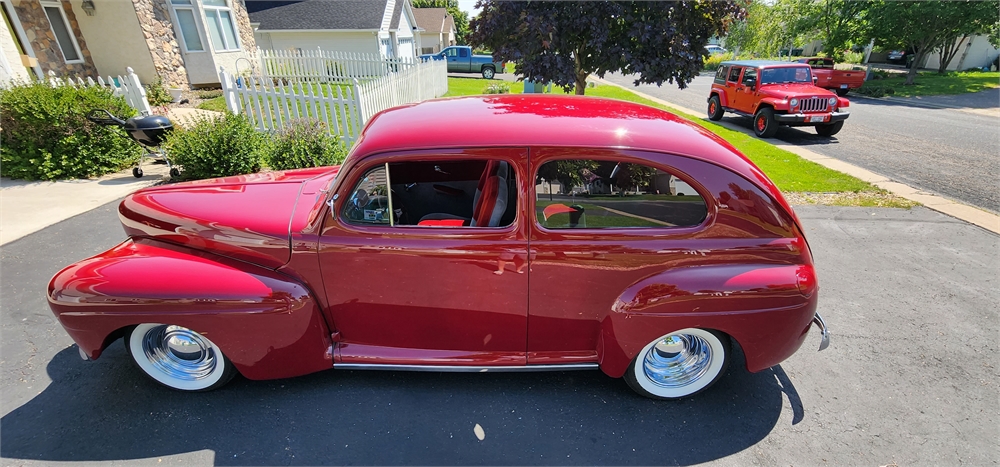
(464,60)
(600,222)
(405,290)
(733,87)
(747,90)
(451,55)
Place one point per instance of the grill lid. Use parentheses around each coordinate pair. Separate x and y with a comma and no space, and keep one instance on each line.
(149,122)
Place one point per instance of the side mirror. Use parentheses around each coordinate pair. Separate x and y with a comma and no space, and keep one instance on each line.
(815,79)
(750,83)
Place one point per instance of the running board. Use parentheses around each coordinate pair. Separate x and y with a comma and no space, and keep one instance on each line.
(465,369)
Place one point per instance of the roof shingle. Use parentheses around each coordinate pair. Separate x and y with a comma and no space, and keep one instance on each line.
(316,14)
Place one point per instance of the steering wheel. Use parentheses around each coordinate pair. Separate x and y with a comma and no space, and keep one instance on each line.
(356,205)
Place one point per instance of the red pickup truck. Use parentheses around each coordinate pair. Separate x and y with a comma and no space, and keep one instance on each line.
(839,81)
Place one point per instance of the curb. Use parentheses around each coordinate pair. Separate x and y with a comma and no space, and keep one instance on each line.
(964,212)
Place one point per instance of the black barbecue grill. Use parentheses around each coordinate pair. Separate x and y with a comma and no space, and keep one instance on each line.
(150,131)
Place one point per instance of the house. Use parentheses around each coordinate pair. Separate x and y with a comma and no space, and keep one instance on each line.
(383,27)
(438,29)
(182,41)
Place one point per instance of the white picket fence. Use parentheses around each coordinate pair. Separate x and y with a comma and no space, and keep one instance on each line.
(343,108)
(328,66)
(127,86)
(271,106)
(424,81)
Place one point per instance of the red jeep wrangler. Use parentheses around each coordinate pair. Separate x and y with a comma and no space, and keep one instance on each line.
(775,93)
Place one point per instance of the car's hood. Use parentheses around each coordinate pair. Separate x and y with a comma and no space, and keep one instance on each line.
(245,217)
(799,90)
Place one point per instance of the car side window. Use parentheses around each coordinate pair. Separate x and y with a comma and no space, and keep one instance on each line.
(451,52)
(436,193)
(748,75)
(734,73)
(463,53)
(600,194)
(368,203)
(720,75)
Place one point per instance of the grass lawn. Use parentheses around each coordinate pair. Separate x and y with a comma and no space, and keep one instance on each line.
(790,172)
(929,83)
(217,104)
(473,86)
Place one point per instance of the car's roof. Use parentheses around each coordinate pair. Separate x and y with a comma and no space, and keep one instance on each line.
(535,120)
(760,63)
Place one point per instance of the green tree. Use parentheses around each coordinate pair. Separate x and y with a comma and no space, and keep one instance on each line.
(837,23)
(926,25)
(770,26)
(565,42)
(461,17)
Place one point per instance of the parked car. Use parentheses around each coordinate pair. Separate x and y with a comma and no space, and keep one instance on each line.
(415,255)
(827,77)
(898,57)
(461,60)
(775,93)
(713,49)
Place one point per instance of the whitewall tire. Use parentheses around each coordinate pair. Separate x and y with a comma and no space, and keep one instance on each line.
(680,364)
(178,358)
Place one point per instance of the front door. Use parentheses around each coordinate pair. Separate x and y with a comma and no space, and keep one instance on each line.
(732,87)
(425,261)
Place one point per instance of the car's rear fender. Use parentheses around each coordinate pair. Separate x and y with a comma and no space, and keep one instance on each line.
(765,308)
(268,324)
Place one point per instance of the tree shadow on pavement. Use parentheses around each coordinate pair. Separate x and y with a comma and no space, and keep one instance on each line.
(106,410)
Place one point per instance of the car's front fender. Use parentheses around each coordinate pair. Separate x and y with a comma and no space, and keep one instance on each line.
(266,323)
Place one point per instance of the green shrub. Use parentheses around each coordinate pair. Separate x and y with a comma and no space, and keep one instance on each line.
(874,90)
(209,94)
(853,57)
(497,88)
(217,147)
(156,94)
(46,135)
(713,61)
(305,143)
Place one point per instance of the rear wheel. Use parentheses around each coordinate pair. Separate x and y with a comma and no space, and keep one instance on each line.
(829,129)
(178,358)
(679,364)
(764,124)
(488,72)
(715,108)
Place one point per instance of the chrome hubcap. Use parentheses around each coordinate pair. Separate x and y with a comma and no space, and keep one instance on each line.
(179,352)
(677,360)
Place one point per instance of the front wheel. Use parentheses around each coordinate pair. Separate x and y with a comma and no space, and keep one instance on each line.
(764,124)
(829,129)
(679,364)
(178,358)
(488,72)
(715,108)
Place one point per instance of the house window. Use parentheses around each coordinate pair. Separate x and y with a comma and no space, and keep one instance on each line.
(64,35)
(221,26)
(184,12)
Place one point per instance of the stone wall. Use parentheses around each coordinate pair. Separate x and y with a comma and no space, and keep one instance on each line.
(247,41)
(43,40)
(154,19)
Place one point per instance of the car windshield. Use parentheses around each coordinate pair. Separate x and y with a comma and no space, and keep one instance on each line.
(785,75)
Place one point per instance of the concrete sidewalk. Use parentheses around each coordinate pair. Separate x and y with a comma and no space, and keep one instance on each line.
(27,207)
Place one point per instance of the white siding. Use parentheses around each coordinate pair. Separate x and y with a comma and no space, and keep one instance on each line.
(975,52)
(360,42)
(116,41)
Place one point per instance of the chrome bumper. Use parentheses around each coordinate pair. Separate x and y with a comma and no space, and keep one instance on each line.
(824,331)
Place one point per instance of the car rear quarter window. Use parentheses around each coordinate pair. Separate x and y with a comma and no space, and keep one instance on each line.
(601,194)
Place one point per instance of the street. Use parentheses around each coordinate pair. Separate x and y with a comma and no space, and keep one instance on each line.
(910,378)
(947,151)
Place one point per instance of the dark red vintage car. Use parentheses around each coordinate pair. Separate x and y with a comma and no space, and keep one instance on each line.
(505,233)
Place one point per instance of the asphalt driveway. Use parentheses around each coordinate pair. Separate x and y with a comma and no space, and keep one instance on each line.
(911,378)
